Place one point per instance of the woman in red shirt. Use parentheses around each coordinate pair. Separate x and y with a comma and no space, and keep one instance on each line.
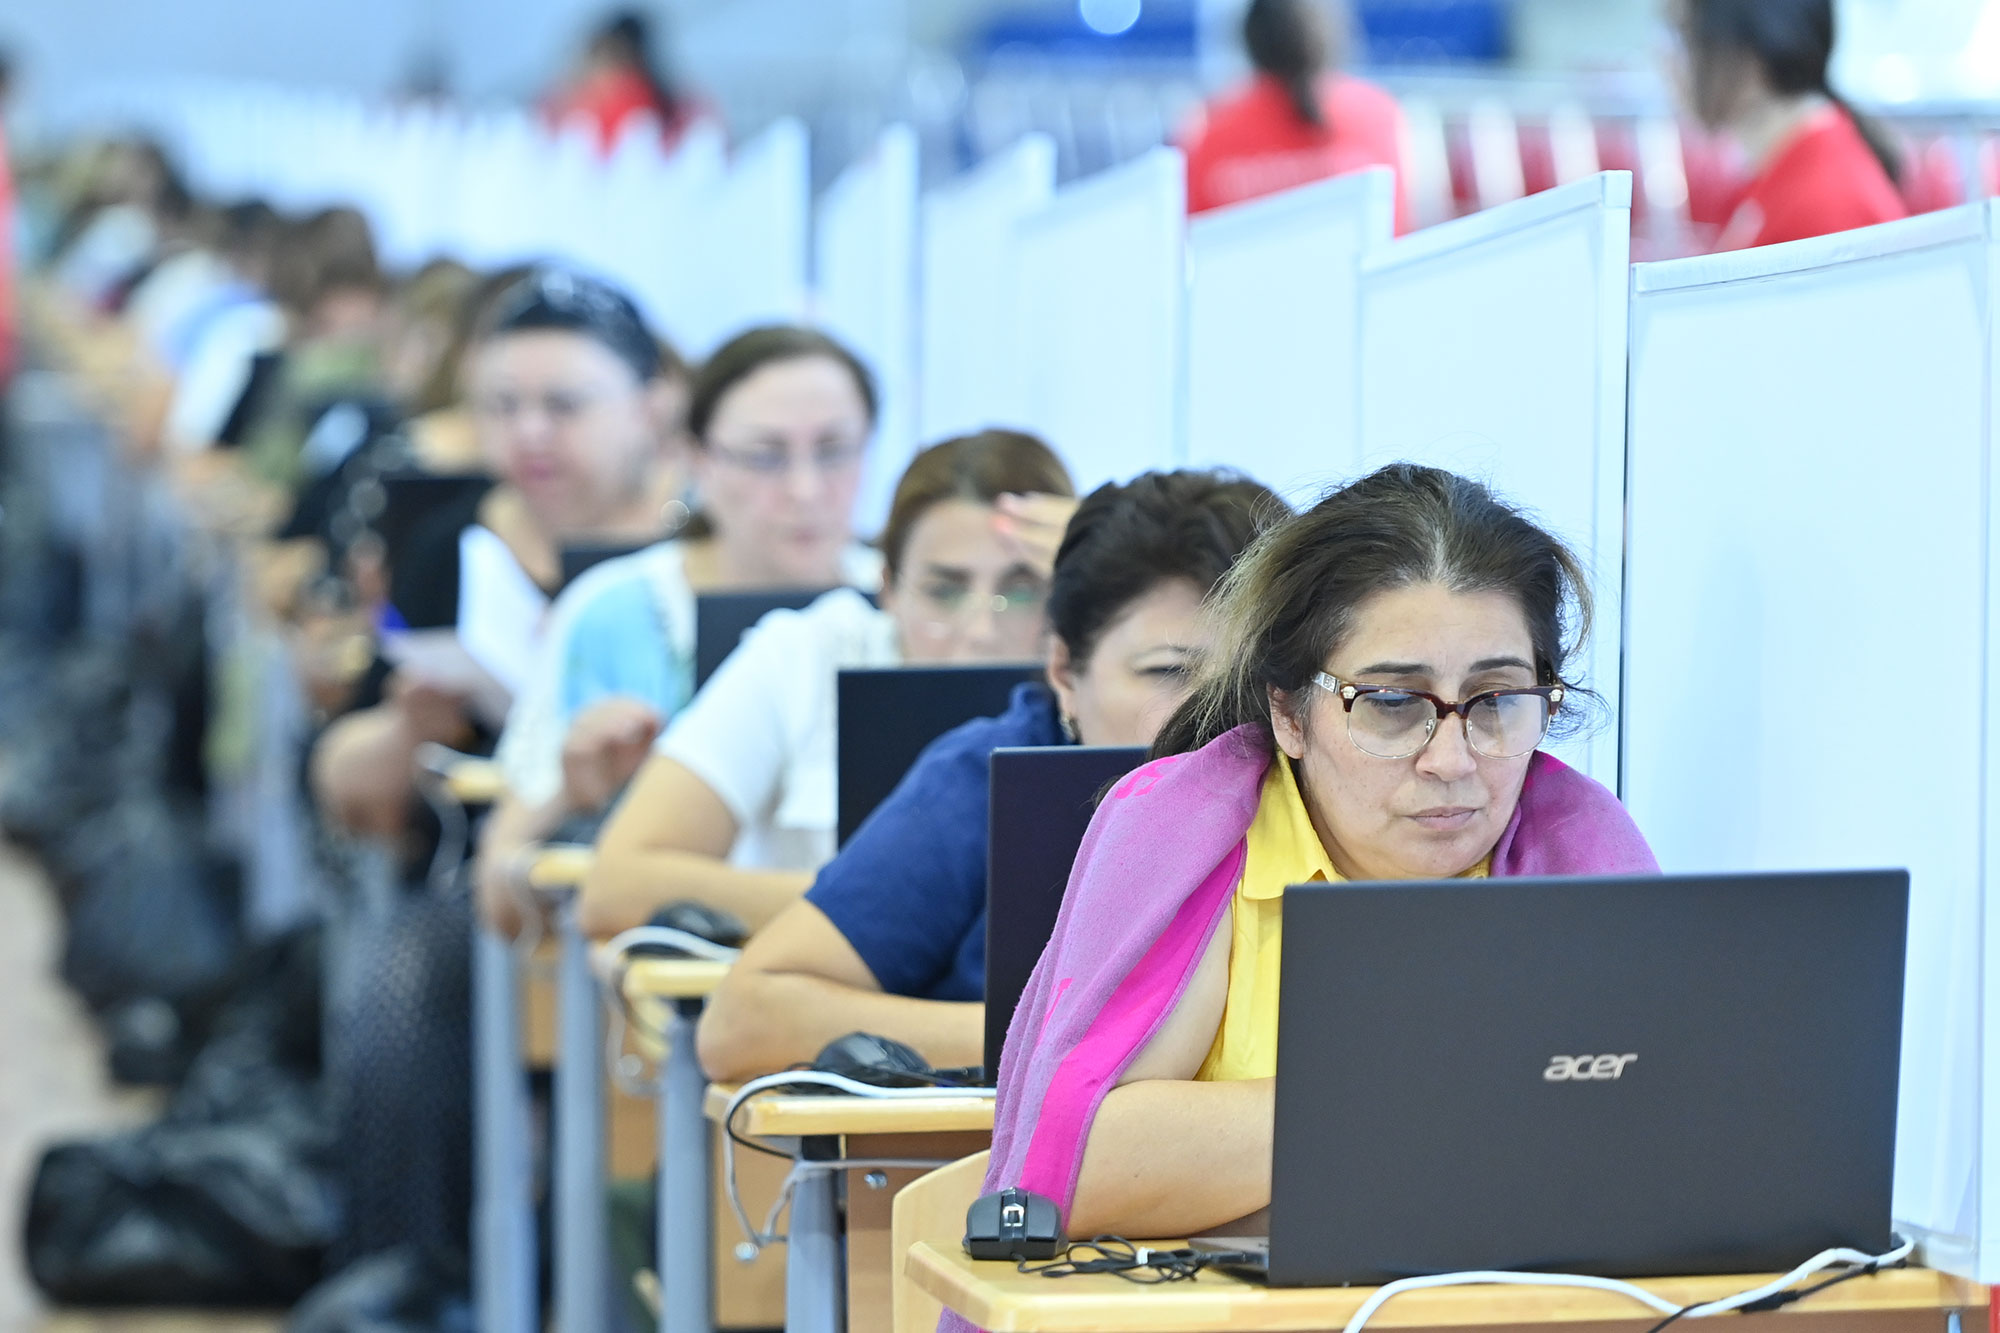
(619,78)
(1756,71)
(1296,121)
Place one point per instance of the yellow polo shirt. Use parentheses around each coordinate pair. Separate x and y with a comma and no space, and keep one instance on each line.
(1281,848)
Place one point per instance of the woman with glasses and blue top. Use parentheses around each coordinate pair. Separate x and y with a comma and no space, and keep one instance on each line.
(891,939)
(1386,667)
(736,807)
(778,423)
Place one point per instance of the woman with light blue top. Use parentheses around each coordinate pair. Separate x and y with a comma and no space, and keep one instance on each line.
(778,423)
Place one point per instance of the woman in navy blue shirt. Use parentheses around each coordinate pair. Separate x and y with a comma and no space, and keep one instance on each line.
(891,938)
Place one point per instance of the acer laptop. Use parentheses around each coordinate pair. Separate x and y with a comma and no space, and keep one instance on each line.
(885,716)
(1040,802)
(1626,1077)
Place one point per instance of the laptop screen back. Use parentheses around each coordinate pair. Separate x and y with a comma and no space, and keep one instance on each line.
(1625,1076)
(1041,802)
(887,715)
(721,619)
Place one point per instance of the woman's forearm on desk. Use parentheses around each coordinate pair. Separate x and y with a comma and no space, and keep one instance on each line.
(1168,1157)
(626,887)
(759,1022)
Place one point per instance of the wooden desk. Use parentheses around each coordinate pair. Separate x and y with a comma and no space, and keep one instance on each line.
(559,865)
(829,1127)
(781,1115)
(668,994)
(996,1297)
(473,781)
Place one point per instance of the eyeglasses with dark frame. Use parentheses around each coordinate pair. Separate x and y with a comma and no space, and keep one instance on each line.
(1390,722)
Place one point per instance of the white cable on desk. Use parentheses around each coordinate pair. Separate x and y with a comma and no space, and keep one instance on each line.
(667,937)
(618,950)
(1722,1305)
(759,1238)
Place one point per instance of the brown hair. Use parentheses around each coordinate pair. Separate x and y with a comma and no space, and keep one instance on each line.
(1288,604)
(749,352)
(1292,41)
(980,468)
(1127,539)
(1792,40)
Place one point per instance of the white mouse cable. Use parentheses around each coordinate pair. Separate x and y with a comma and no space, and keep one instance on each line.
(1818,1263)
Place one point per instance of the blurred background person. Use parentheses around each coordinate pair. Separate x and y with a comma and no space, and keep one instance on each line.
(1298,119)
(1755,71)
(620,75)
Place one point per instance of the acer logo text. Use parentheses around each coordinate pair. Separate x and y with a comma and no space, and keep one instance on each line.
(1586,1068)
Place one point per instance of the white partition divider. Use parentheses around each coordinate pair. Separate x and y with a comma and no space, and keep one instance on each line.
(865,294)
(653,204)
(1102,286)
(1494,345)
(969,290)
(1809,672)
(747,259)
(1273,325)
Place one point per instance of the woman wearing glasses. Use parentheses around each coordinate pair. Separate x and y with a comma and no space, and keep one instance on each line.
(891,939)
(736,807)
(1386,666)
(777,424)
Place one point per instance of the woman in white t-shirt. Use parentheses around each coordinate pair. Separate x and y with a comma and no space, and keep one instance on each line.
(736,807)
(616,659)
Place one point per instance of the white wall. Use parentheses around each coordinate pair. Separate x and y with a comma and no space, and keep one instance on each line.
(1273,358)
(1808,663)
(1494,346)
(1102,286)
(865,293)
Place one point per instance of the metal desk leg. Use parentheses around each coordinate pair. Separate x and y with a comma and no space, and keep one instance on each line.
(815,1278)
(685,1217)
(504,1234)
(582,1253)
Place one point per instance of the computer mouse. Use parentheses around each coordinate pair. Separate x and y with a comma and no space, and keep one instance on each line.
(878,1061)
(698,919)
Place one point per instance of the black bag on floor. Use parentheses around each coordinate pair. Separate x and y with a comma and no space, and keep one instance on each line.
(179,1213)
(152,913)
(231,1198)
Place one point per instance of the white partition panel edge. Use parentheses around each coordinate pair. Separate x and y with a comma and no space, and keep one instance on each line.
(1103,279)
(1494,345)
(748,264)
(1810,532)
(864,276)
(969,291)
(1273,359)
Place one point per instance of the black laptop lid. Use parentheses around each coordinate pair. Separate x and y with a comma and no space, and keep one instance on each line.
(721,619)
(887,715)
(580,559)
(1040,802)
(1626,1077)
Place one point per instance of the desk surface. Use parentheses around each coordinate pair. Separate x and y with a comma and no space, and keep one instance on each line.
(474,781)
(785,1115)
(996,1297)
(672,979)
(560,865)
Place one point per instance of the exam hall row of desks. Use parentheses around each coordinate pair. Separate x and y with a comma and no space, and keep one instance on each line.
(897,1259)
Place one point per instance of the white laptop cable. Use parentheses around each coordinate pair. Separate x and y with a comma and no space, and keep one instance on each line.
(758,1237)
(1852,1259)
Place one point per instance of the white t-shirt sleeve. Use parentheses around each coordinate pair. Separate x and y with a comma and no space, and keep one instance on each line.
(736,735)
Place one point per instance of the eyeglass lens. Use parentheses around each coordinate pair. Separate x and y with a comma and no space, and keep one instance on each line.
(1390,724)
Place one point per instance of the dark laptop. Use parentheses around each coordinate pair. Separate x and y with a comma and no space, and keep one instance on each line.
(1041,800)
(581,559)
(721,619)
(887,715)
(1625,1077)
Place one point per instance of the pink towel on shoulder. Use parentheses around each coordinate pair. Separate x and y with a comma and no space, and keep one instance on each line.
(1154,873)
